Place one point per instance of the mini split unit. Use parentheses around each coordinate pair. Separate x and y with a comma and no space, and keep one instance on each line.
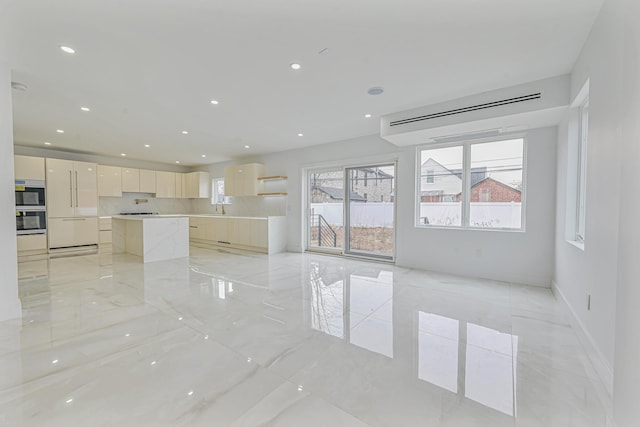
(531,105)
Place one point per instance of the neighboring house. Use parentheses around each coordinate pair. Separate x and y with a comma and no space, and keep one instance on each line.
(439,184)
(490,190)
(367,185)
(332,195)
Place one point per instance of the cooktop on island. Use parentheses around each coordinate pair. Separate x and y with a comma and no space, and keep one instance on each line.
(138,213)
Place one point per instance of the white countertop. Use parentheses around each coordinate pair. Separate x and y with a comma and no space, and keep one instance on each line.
(141,217)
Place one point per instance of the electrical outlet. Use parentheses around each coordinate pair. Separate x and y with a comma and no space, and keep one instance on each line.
(588,302)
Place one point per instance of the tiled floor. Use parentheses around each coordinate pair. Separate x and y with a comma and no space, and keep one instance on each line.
(223,339)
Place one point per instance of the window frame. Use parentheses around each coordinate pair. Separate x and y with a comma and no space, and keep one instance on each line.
(226,200)
(466,182)
(581,172)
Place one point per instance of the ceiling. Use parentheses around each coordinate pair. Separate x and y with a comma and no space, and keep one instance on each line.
(148,69)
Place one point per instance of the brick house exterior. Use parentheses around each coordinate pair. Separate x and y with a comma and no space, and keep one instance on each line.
(490,190)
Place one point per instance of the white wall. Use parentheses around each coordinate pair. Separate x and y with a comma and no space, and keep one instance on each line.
(608,267)
(523,257)
(10,306)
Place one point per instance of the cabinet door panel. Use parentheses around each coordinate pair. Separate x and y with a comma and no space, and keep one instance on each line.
(243,233)
(60,191)
(259,233)
(179,185)
(131,180)
(109,181)
(147,181)
(27,167)
(86,188)
(165,184)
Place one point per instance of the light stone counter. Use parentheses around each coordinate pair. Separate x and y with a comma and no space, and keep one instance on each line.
(152,237)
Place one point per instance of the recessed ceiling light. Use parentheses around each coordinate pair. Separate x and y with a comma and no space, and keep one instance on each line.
(184,132)
(368,116)
(295,66)
(123,154)
(67,49)
(214,102)
(146,146)
(85,108)
(376,90)
(247,146)
(47,143)
(59,131)
(177,161)
(300,134)
(204,155)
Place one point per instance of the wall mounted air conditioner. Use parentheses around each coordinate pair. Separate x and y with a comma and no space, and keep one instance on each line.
(530,105)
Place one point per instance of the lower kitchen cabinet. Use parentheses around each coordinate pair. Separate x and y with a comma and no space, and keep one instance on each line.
(267,235)
(70,232)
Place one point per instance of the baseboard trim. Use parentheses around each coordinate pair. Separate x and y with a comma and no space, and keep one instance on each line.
(600,364)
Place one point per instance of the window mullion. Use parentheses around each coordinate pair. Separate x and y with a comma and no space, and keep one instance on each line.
(466,184)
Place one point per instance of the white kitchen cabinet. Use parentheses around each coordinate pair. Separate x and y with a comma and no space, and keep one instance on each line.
(130,180)
(105,233)
(242,180)
(72,188)
(165,185)
(147,181)
(69,232)
(32,243)
(109,181)
(27,167)
(179,185)
(267,235)
(197,185)
(197,228)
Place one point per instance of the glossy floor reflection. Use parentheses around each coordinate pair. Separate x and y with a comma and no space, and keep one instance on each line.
(239,339)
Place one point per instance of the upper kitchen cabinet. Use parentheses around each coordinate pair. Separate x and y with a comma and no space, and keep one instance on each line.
(242,180)
(179,182)
(166,184)
(147,181)
(130,180)
(27,167)
(109,181)
(197,185)
(72,188)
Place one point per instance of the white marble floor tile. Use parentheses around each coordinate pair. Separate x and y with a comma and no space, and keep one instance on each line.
(232,338)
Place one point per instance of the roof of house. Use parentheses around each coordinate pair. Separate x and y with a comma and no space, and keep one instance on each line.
(477,174)
(338,193)
(487,179)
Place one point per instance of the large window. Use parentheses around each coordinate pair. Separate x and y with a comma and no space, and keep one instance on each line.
(581,194)
(472,184)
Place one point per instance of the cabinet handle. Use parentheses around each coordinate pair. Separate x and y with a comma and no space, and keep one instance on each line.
(193,226)
(76,189)
(226,243)
(70,190)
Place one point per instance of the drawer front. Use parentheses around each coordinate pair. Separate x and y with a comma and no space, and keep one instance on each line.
(105,224)
(65,232)
(105,236)
(33,242)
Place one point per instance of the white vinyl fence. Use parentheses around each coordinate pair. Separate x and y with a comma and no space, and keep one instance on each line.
(488,215)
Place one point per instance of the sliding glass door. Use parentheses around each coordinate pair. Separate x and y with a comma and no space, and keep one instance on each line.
(352,210)
(326,210)
(370,211)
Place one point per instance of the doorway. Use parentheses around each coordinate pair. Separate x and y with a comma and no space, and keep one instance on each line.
(352,210)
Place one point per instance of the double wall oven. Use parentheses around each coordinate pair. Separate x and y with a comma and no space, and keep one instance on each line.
(31,211)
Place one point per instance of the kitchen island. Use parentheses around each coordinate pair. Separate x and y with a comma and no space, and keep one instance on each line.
(151,237)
